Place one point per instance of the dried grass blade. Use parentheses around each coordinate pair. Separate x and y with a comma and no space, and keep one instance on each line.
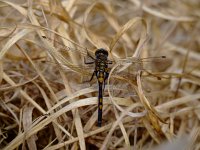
(75,112)
(27,121)
(48,104)
(117,122)
(13,40)
(24,94)
(153,115)
(94,39)
(150,130)
(162,15)
(1,71)
(124,28)
(39,73)
(20,9)
(34,129)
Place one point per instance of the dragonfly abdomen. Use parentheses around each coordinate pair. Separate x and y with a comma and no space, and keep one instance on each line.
(100,105)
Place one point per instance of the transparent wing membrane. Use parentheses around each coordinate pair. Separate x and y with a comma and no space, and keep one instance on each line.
(64,48)
(126,66)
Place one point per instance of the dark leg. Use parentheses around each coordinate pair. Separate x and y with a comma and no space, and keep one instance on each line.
(92,76)
(106,77)
(109,62)
(88,62)
(90,55)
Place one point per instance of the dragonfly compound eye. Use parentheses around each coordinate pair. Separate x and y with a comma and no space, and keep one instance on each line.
(101,51)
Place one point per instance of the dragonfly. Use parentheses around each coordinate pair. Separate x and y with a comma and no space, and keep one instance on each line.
(101,70)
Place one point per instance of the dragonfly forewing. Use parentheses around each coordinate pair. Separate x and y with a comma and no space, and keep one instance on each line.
(132,65)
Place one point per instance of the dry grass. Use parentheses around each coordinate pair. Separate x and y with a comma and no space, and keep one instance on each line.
(45,101)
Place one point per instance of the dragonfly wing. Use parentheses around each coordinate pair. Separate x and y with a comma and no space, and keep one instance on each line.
(159,63)
(85,70)
(72,48)
(129,67)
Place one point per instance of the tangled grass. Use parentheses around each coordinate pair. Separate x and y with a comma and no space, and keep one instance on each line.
(152,93)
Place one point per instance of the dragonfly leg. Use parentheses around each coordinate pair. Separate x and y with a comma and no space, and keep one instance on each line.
(92,76)
(104,85)
(106,77)
(90,55)
(109,62)
(85,62)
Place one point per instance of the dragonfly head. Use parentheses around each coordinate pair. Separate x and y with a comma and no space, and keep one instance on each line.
(101,53)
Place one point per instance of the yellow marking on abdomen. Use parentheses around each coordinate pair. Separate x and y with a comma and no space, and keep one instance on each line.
(100,106)
(100,79)
(100,99)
